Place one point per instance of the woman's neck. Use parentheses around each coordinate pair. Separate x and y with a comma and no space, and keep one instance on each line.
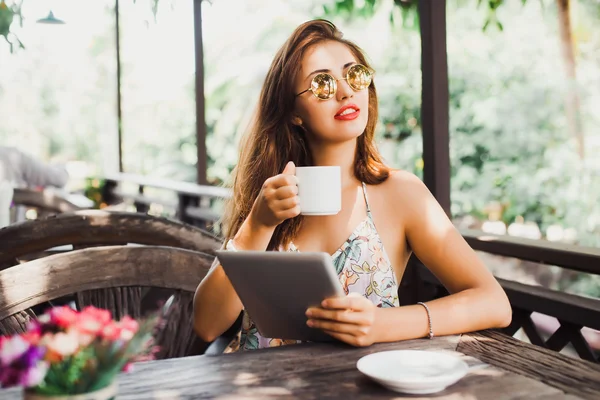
(340,154)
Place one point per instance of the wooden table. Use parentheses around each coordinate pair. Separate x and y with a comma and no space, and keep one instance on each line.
(516,370)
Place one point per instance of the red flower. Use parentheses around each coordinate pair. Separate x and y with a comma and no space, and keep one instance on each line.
(129,324)
(88,325)
(63,316)
(102,316)
(92,320)
(33,337)
(111,331)
(128,367)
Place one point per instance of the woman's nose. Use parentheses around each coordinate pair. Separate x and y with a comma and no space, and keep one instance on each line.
(344,91)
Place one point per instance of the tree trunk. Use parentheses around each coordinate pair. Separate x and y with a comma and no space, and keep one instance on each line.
(572,103)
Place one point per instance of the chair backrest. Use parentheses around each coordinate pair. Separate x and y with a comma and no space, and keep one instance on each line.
(88,228)
(99,228)
(39,281)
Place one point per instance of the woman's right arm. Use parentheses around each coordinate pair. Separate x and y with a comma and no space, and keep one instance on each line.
(216,304)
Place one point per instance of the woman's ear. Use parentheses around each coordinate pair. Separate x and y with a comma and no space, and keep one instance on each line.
(296,120)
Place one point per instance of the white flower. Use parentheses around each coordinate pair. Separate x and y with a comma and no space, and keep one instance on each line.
(12,349)
(64,344)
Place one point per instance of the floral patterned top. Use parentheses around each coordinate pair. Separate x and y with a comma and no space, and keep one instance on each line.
(362,266)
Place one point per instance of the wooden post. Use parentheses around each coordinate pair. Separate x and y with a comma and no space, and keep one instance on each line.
(201,165)
(435,99)
(119,110)
(140,206)
(436,137)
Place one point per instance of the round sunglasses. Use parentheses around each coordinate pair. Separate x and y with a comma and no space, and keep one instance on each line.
(324,86)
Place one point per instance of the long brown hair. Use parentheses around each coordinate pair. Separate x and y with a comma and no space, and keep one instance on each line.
(274,140)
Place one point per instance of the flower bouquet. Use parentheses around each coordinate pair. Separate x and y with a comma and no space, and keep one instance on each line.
(66,354)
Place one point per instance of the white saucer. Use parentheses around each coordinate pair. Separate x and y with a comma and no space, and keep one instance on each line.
(413,371)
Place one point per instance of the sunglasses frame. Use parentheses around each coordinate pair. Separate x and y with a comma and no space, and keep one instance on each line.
(335,81)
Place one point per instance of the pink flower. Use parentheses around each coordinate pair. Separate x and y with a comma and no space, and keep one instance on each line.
(128,328)
(33,338)
(34,326)
(100,315)
(63,316)
(12,348)
(111,331)
(35,375)
(9,377)
(128,367)
(84,338)
(44,318)
(129,324)
(87,324)
(27,369)
(92,320)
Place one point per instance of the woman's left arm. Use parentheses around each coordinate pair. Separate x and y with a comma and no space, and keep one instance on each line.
(476,300)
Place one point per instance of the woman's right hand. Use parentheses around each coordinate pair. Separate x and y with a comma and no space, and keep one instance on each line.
(278,199)
(216,304)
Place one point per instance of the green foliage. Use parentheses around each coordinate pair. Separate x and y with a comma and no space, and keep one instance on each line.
(67,377)
(404,14)
(408,10)
(8,14)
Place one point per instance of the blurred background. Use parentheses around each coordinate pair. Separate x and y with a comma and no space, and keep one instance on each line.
(524,99)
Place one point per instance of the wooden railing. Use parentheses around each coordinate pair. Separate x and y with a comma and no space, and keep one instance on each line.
(194,203)
(574,257)
(574,313)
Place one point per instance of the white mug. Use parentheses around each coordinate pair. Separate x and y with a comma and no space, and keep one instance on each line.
(319,190)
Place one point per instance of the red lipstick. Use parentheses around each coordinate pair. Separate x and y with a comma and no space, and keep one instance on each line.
(347,112)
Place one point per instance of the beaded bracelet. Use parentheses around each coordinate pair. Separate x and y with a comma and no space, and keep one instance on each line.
(428,318)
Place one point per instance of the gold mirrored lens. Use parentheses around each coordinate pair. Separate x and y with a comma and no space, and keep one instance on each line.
(359,77)
(323,86)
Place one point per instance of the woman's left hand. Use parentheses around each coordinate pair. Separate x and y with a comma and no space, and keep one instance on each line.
(350,319)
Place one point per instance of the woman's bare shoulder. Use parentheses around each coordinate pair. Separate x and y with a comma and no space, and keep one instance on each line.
(404,185)
(400,197)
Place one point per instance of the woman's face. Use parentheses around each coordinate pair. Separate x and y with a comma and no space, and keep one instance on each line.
(344,116)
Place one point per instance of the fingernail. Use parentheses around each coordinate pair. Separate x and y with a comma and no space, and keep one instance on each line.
(310,322)
(324,303)
(308,313)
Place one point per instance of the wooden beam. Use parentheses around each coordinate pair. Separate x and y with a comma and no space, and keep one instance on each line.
(119,108)
(201,164)
(435,97)
(571,256)
(187,188)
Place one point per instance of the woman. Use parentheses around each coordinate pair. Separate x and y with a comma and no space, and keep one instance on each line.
(318,106)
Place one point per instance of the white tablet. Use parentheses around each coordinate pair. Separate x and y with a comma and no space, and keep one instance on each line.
(276,288)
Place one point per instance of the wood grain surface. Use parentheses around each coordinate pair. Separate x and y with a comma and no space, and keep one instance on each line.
(313,371)
(98,227)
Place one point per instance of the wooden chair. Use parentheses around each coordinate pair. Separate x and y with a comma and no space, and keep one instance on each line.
(97,228)
(92,228)
(114,267)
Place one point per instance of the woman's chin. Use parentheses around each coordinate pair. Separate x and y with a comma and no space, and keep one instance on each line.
(342,137)
(348,130)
